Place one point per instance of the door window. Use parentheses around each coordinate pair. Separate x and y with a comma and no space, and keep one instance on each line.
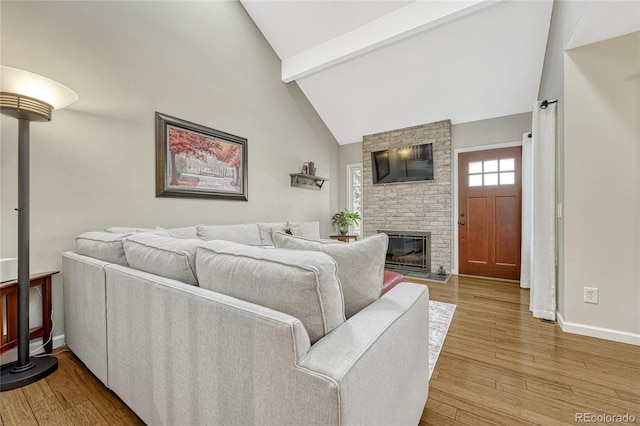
(492,172)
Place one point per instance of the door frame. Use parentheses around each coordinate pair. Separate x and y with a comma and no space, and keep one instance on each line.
(454,219)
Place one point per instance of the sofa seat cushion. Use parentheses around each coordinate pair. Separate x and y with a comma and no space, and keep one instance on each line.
(360,266)
(244,234)
(105,246)
(165,256)
(302,284)
(390,280)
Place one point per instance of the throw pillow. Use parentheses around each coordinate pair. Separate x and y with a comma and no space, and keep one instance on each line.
(165,256)
(105,246)
(301,284)
(264,230)
(288,228)
(307,230)
(360,266)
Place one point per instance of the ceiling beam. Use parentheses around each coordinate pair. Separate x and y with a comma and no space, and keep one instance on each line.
(397,25)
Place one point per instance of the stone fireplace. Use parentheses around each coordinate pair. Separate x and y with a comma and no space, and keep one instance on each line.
(409,250)
(421,207)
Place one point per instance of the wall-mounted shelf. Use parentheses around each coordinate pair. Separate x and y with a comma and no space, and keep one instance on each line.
(300,180)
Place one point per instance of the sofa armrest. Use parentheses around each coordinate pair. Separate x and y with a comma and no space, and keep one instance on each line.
(382,350)
(85,310)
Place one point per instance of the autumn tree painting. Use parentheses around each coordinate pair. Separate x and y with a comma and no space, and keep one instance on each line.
(195,161)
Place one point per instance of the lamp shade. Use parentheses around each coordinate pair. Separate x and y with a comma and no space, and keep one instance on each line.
(25,83)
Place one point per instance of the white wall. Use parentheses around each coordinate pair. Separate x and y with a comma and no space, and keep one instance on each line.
(492,131)
(602,187)
(93,165)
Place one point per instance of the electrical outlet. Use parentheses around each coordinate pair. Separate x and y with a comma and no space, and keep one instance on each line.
(590,295)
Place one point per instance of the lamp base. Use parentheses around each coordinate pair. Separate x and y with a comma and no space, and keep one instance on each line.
(13,377)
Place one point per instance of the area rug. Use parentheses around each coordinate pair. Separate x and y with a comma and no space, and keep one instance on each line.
(440,316)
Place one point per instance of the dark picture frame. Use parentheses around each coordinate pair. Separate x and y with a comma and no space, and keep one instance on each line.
(195,161)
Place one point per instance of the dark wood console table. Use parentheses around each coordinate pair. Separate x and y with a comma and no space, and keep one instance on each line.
(9,290)
(344,238)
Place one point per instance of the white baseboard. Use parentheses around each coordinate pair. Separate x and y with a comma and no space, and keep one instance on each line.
(58,341)
(35,348)
(598,332)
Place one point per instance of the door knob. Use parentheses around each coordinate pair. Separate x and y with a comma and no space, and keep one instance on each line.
(461,223)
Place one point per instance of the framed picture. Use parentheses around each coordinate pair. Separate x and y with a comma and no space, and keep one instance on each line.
(195,161)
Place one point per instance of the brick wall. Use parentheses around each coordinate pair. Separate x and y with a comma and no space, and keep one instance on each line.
(418,206)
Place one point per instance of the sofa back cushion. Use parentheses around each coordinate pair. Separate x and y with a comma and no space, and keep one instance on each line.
(189,232)
(302,284)
(126,230)
(165,256)
(310,230)
(244,234)
(360,265)
(105,246)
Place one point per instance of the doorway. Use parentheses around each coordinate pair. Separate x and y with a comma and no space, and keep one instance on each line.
(490,212)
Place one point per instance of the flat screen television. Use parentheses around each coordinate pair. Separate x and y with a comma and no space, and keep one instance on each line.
(403,164)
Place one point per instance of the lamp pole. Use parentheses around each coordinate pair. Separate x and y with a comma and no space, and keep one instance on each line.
(23,245)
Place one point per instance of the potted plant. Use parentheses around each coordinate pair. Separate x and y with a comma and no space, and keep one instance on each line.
(344,219)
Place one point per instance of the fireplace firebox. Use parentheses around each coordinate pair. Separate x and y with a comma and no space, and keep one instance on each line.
(409,250)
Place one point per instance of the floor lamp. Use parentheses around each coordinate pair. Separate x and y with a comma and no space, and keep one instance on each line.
(27,97)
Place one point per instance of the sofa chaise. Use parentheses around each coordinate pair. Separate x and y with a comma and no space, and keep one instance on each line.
(201,325)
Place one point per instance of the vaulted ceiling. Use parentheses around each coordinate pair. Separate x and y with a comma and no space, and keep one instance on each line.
(373,66)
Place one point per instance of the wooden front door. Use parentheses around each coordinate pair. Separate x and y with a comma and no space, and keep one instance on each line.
(489,212)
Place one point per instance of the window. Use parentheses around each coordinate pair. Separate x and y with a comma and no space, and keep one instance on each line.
(354,193)
(492,172)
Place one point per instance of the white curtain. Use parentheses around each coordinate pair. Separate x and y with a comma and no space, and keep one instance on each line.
(540,241)
(525,253)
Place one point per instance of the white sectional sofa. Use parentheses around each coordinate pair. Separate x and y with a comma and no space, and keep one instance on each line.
(201,326)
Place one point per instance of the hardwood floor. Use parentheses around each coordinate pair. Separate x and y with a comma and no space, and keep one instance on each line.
(498,365)
(69,396)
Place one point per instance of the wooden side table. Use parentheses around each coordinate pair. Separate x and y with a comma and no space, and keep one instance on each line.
(344,238)
(9,290)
